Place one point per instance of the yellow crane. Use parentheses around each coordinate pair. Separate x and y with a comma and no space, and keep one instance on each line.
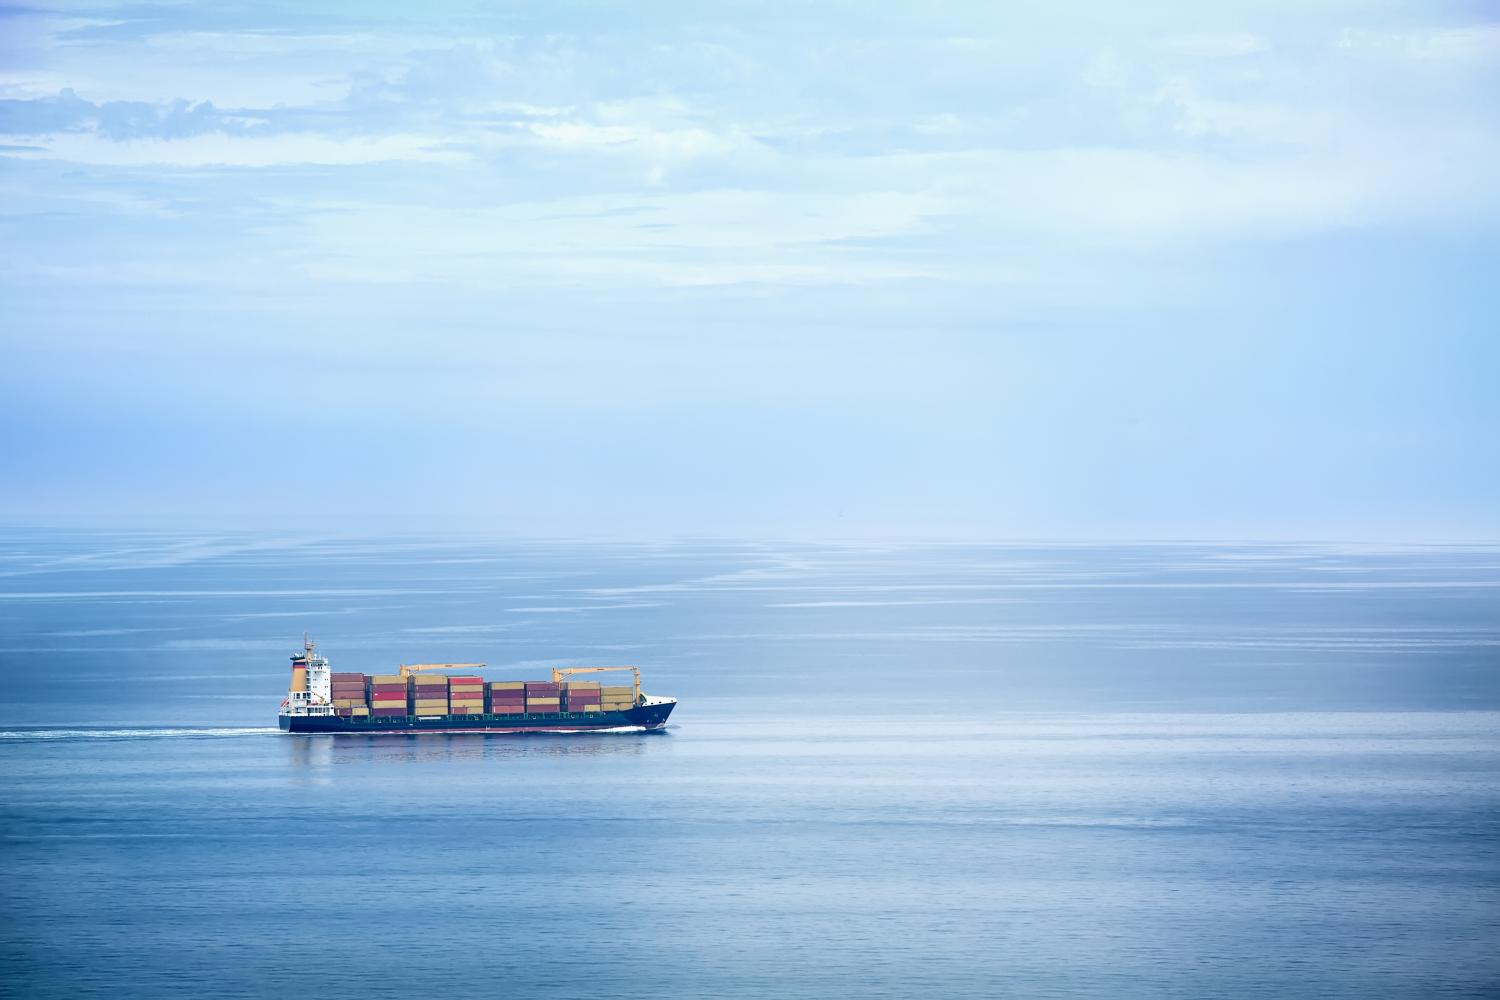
(407,669)
(558,673)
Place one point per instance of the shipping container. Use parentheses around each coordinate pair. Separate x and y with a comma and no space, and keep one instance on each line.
(507,685)
(387,713)
(387,679)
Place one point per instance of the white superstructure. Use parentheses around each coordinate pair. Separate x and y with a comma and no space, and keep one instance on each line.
(312,685)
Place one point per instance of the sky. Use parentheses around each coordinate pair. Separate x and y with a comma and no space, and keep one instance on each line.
(1023,270)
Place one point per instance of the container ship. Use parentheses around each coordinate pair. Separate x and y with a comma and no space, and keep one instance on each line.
(419,699)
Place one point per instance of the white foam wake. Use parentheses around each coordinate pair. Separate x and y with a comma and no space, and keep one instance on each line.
(43,735)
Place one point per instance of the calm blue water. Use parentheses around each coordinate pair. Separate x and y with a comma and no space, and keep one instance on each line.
(1141,771)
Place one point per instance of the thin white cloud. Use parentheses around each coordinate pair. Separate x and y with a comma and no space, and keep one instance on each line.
(221,150)
(1470,43)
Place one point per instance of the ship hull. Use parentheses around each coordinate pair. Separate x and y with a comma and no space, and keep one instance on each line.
(645,717)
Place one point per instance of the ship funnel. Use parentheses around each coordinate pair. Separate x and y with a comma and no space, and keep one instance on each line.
(299,666)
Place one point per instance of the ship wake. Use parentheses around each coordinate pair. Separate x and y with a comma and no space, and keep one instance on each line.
(184,732)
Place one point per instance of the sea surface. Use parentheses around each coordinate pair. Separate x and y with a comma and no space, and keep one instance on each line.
(951,770)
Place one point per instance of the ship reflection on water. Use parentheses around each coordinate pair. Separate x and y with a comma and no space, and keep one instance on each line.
(358,752)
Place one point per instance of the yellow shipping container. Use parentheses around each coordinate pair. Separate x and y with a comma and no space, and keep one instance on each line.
(507,685)
(387,679)
(432,711)
(592,708)
(624,689)
(431,703)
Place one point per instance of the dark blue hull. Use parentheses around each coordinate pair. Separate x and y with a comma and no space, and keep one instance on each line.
(643,716)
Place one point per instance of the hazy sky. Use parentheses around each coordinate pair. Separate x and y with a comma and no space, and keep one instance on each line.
(1019,269)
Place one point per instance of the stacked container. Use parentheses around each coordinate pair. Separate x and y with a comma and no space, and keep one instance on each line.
(508,697)
(583,696)
(617,697)
(348,694)
(429,695)
(543,697)
(388,696)
(466,696)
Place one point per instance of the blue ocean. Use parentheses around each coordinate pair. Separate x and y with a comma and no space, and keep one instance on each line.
(897,770)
